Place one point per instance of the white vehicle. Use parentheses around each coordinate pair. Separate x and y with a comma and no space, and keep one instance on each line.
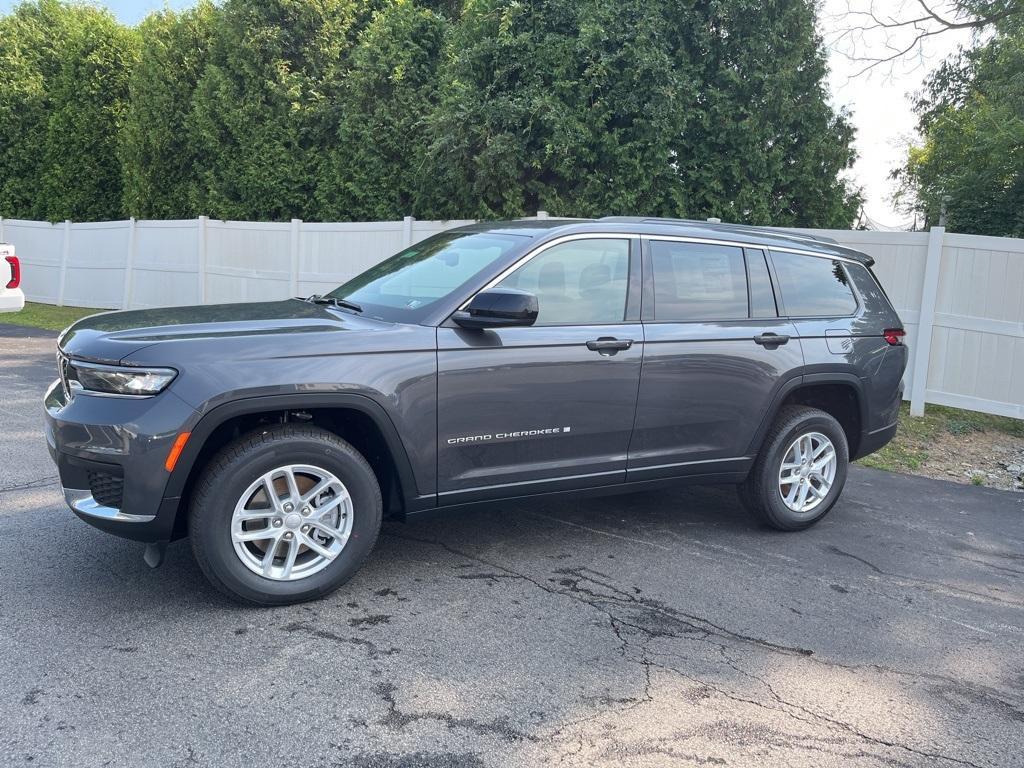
(11,297)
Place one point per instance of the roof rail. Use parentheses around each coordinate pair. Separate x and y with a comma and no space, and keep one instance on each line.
(721,225)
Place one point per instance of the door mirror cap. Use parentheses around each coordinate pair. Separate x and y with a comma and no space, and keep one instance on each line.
(498,308)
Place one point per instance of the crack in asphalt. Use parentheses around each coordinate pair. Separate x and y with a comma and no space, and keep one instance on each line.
(41,482)
(374,651)
(702,630)
(817,716)
(397,719)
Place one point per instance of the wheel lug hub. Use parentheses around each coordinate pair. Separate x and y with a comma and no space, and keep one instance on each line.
(305,510)
(305,529)
(289,507)
(288,535)
(278,522)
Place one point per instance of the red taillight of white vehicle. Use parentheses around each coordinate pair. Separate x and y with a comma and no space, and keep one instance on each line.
(15,280)
(894,335)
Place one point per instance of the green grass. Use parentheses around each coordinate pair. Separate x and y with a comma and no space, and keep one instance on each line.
(909,449)
(46,316)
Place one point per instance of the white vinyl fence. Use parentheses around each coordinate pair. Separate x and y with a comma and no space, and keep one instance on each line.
(960,296)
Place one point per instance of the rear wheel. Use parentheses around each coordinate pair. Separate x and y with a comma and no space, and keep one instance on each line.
(800,471)
(284,515)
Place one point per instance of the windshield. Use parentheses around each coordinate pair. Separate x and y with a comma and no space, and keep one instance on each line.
(405,286)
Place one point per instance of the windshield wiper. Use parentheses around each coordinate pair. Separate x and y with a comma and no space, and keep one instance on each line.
(318,299)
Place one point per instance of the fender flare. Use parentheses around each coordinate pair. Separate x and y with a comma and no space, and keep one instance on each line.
(804,380)
(220,414)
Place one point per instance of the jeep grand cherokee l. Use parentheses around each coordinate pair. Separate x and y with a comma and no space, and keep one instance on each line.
(489,362)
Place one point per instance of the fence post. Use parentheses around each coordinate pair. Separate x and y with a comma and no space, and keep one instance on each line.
(64,254)
(929,295)
(293,275)
(407,230)
(129,263)
(201,262)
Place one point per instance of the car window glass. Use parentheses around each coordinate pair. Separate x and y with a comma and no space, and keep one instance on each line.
(580,282)
(695,281)
(762,298)
(812,286)
(406,285)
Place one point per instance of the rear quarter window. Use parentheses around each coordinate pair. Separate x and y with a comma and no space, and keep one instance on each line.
(812,286)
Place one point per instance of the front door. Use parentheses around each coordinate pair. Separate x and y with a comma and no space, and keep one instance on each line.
(550,406)
(716,352)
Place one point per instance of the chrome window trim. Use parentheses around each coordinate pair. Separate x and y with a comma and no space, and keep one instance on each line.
(744,244)
(523,260)
(637,236)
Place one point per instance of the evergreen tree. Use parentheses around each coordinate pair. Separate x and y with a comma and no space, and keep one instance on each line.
(160,164)
(258,123)
(375,164)
(63,97)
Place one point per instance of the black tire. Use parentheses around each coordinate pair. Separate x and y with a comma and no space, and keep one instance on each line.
(760,493)
(241,463)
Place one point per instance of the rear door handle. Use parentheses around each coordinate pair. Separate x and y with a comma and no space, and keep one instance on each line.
(771,340)
(607,345)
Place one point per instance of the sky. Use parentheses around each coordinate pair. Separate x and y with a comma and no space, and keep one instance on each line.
(879,100)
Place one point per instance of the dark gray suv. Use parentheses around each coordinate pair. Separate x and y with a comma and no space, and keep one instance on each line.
(488,362)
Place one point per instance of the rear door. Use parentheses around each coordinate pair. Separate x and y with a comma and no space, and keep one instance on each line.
(716,352)
(550,406)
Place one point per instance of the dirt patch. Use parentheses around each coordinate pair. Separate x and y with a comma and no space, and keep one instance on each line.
(991,459)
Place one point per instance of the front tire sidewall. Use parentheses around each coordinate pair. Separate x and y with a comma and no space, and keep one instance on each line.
(769,499)
(212,526)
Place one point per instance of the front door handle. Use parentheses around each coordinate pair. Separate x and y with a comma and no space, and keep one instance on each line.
(771,340)
(608,345)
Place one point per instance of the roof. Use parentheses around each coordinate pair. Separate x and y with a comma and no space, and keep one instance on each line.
(762,237)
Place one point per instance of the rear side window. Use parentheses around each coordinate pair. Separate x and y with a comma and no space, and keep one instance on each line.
(694,281)
(812,286)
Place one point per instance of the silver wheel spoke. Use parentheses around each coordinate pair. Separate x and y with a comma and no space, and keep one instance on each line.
(817,492)
(807,471)
(268,488)
(261,534)
(823,461)
(317,547)
(329,505)
(328,530)
(267,563)
(319,488)
(293,487)
(289,558)
(283,547)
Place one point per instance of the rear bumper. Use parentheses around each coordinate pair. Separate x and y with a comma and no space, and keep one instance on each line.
(110,455)
(874,440)
(11,299)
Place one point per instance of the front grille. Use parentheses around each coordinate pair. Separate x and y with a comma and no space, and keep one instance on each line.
(106,488)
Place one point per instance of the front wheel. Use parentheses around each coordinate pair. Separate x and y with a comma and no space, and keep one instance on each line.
(800,471)
(284,515)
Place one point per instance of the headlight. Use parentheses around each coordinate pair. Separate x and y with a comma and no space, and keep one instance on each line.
(116,379)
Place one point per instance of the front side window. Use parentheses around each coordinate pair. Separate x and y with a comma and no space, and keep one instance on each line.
(404,287)
(580,282)
(812,286)
(697,281)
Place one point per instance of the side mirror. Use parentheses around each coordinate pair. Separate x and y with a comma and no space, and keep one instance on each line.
(498,308)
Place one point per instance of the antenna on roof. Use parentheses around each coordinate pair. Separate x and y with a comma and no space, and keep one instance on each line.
(714,220)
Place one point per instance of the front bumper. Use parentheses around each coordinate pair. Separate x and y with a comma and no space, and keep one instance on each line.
(110,455)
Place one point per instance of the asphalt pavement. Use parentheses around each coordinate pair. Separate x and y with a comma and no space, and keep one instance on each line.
(659,629)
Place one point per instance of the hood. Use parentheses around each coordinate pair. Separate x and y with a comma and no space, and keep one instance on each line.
(222,328)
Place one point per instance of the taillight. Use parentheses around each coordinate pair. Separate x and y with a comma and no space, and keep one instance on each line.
(894,335)
(15,280)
